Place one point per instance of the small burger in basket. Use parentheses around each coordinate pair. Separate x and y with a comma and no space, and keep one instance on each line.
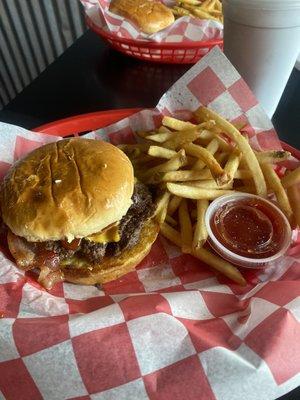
(75,212)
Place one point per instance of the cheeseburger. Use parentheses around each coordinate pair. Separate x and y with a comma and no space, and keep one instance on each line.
(74,211)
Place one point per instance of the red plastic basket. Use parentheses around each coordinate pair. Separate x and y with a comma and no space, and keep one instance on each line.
(169,53)
(79,124)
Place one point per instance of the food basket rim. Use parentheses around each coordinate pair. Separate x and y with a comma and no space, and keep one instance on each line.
(78,124)
(152,45)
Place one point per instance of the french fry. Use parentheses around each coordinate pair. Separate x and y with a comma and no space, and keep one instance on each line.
(186,175)
(171,234)
(210,184)
(220,265)
(170,220)
(212,147)
(161,208)
(141,159)
(191,161)
(232,165)
(163,129)
(175,12)
(180,11)
(291,179)
(205,138)
(221,157)
(275,184)
(273,156)
(208,135)
(294,198)
(192,2)
(216,13)
(177,124)
(161,152)
(224,145)
(243,145)
(243,174)
(198,12)
(185,227)
(143,134)
(218,5)
(160,137)
(152,175)
(129,148)
(208,4)
(180,138)
(174,204)
(200,233)
(216,170)
(246,189)
(190,192)
(212,260)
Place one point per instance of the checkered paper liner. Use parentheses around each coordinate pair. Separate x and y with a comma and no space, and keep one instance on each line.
(184,29)
(170,329)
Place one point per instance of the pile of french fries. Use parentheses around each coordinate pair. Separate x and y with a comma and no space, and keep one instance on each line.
(192,164)
(207,9)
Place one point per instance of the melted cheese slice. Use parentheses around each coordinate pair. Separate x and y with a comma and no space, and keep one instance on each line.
(110,235)
(75,262)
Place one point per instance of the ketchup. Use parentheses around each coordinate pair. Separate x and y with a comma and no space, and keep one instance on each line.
(74,245)
(249,227)
(47,259)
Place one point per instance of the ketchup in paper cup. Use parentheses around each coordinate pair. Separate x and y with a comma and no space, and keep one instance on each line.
(247,230)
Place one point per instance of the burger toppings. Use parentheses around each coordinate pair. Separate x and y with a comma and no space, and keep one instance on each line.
(131,224)
(49,278)
(74,245)
(47,259)
(48,255)
(127,232)
(59,248)
(109,234)
(93,251)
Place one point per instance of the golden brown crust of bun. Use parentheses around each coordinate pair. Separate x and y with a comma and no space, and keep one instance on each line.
(114,267)
(151,16)
(71,188)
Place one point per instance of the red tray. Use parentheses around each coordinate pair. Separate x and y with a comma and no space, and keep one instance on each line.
(168,53)
(74,126)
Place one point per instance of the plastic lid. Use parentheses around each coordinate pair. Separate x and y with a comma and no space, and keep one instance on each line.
(265,4)
(263,13)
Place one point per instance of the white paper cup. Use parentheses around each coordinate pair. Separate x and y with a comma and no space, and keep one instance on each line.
(262,40)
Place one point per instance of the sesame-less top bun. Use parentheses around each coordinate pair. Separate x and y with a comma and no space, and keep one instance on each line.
(151,16)
(68,189)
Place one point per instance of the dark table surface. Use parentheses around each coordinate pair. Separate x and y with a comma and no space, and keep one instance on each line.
(91,77)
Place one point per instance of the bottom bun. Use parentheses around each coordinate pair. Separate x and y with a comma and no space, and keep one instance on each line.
(112,268)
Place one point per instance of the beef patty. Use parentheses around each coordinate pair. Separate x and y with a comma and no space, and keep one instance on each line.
(129,230)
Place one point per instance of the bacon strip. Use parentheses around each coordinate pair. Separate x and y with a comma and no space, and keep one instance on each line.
(22,251)
(27,257)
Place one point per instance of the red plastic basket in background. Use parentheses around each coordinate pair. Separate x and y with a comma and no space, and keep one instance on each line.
(79,124)
(169,53)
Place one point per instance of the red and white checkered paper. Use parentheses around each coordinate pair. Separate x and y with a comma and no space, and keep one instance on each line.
(184,29)
(171,329)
